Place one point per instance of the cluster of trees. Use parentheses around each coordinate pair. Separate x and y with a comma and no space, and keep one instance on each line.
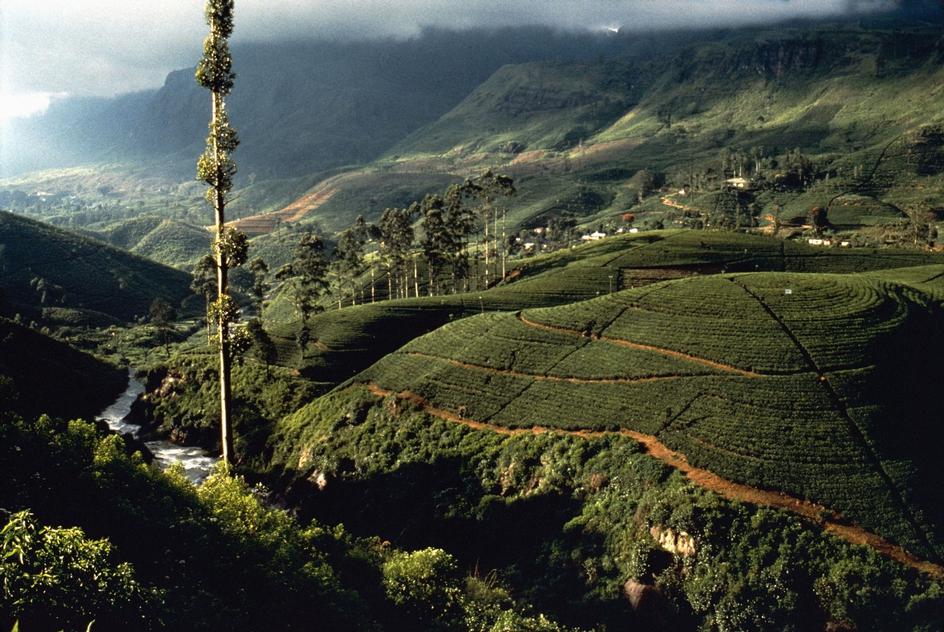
(458,236)
(213,558)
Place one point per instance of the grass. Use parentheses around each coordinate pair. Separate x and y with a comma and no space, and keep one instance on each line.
(805,392)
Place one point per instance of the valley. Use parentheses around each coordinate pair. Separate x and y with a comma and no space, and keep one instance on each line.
(514,328)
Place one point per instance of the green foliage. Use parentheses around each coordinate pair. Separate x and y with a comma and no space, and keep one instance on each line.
(183,394)
(211,558)
(98,279)
(56,576)
(426,584)
(792,390)
(214,72)
(307,274)
(565,521)
(232,246)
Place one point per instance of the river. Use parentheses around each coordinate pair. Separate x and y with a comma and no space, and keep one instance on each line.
(196,462)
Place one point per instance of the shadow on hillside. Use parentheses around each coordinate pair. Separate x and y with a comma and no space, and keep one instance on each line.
(443,504)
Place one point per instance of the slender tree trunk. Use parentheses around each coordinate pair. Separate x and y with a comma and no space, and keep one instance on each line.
(495,239)
(389,285)
(504,243)
(486,249)
(222,286)
(416,279)
(373,284)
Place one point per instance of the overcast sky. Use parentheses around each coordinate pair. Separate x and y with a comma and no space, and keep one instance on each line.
(104,47)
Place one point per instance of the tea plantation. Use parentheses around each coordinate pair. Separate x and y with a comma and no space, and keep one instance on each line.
(817,385)
(350,339)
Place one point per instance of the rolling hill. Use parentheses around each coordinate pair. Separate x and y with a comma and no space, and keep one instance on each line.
(347,341)
(817,386)
(166,241)
(54,275)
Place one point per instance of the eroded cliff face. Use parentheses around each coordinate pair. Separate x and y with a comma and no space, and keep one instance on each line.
(672,541)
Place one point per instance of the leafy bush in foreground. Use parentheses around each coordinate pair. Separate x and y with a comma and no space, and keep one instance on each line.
(148,551)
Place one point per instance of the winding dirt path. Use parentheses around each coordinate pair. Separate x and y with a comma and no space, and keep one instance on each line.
(704,478)
(727,368)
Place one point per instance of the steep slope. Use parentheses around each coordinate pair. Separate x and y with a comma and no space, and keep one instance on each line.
(300,107)
(48,376)
(856,100)
(797,383)
(46,268)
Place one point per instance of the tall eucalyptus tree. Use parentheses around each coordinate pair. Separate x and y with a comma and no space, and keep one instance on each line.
(216,168)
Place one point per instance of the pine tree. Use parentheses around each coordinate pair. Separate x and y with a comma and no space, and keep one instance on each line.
(216,168)
(396,237)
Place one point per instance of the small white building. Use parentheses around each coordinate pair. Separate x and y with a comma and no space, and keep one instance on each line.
(738,183)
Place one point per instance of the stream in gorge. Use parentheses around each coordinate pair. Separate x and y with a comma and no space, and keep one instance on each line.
(196,462)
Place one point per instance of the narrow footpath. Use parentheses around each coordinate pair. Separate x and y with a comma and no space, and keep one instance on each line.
(704,478)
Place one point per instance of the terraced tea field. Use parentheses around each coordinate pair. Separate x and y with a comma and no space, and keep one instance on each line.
(818,386)
(351,339)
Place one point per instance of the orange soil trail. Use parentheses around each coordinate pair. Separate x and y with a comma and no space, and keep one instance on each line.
(701,477)
(318,195)
(668,201)
(727,368)
(554,378)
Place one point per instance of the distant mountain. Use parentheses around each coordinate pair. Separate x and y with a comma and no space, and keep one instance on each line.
(50,274)
(852,98)
(299,107)
(334,130)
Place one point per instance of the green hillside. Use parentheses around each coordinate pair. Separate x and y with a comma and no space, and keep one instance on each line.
(854,101)
(53,274)
(39,374)
(820,386)
(347,341)
(166,241)
(534,106)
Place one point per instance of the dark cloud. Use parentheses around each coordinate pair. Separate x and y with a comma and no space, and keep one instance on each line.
(106,46)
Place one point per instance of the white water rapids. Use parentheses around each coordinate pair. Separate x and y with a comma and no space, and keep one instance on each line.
(195,461)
